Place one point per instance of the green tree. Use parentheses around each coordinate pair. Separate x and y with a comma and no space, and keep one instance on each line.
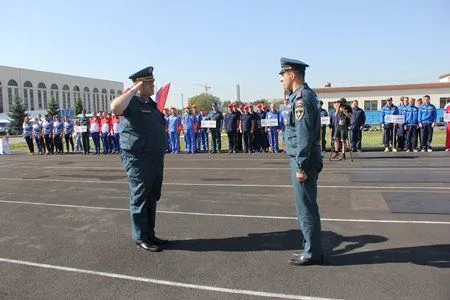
(78,107)
(204,100)
(17,115)
(53,107)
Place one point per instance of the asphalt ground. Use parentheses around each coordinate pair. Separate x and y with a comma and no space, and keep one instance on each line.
(65,229)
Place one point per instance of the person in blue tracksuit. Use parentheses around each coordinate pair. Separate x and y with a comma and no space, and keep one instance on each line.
(48,134)
(68,131)
(188,125)
(166,119)
(58,133)
(401,133)
(197,128)
(284,113)
(410,126)
(174,124)
(388,133)
(273,130)
(37,134)
(427,121)
(28,134)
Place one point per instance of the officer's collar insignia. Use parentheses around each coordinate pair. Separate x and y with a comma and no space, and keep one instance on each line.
(299,95)
(299,110)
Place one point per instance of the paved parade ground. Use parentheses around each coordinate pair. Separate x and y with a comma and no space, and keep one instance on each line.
(65,229)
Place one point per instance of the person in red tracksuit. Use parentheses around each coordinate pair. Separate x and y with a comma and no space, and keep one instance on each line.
(94,125)
(116,134)
(447,139)
(106,130)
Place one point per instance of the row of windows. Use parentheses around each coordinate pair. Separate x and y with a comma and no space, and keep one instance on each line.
(68,97)
(373,104)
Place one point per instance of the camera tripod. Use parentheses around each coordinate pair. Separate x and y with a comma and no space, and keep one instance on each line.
(345,145)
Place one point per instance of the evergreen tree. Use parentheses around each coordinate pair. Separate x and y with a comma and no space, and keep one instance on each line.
(78,107)
(17,115)
(53,107)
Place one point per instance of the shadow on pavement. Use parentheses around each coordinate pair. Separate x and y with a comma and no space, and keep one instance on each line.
(336,247)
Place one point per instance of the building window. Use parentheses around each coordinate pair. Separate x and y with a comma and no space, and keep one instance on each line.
(104,99)
(87,99)
(1,98)
(119,92)
(66,97)
(25,99)
(42,96)
(31,100)
(54,93)
(111,97)
(443,101)
(330,106)
(13,91)
(27,102)
(77,94)
(96,100)
(370,104)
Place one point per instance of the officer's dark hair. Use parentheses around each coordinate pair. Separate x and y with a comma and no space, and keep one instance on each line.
(299,73)
(426,96)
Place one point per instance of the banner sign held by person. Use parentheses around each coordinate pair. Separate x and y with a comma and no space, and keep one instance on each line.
(325,120)
(208,124)
(399,119)
(269,122)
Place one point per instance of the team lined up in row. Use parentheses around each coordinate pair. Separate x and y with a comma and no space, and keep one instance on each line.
(49,133)
(242,124)
(419,122)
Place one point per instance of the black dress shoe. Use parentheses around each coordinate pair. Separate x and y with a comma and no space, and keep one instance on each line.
(148,247)
(158,241)
(302,261)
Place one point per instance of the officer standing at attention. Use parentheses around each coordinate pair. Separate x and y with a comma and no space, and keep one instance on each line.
(303,146)
(144,143)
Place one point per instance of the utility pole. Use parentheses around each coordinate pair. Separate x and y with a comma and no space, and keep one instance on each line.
(238,93)
(182,102)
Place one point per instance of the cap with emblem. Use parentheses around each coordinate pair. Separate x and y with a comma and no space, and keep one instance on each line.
(288,64)
(145,74)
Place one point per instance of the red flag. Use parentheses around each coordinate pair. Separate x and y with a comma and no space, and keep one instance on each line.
(161,97)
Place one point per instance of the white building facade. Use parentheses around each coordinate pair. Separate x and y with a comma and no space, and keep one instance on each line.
(37,88)
(374,97)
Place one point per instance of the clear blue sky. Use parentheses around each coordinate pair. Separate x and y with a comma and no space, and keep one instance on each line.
(228,42)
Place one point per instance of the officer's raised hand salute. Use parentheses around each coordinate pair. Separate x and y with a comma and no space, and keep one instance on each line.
(143,142)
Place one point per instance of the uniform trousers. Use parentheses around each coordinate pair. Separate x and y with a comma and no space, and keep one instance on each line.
(145,176)
(305,196)
(426,133)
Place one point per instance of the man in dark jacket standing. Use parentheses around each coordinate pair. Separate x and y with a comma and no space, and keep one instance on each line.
(357,122)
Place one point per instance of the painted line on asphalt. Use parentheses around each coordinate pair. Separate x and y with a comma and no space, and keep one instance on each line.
(229,215)
(362,187)
(158,281)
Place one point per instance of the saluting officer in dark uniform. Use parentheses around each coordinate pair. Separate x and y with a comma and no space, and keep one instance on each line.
(303,146)
(143,142)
